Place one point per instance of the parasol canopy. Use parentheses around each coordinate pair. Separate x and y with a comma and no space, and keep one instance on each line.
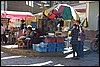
(62,11)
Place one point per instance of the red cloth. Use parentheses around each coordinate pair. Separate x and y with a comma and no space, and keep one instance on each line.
(75,22)
(52,15)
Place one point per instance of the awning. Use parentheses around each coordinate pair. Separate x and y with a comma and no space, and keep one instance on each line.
(16,15)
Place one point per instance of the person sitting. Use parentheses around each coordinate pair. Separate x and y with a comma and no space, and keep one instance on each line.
(29,33)
(38,33)
(37,39)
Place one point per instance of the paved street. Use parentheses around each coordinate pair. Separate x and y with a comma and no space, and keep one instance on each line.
(90,59)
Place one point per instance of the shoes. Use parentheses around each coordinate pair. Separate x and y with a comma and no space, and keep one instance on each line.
(3,43)
(75,58)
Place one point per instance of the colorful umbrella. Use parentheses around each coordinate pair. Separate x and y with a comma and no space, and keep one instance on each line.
(62,11)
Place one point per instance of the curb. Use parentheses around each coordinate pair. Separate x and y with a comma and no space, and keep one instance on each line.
(36,53)
(32,53)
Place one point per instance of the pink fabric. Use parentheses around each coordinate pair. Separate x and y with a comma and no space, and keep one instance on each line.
(18,16)
(3,15)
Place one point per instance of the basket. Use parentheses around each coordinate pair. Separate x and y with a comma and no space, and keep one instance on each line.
(60,39)
(50,40)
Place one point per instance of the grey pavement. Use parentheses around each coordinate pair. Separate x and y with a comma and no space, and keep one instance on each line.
(90,59)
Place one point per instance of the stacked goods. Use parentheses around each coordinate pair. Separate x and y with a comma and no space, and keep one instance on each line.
(50,39)
(43,45)
(34,46)
(51,46)
(38,48)
(60,39)
(60,46)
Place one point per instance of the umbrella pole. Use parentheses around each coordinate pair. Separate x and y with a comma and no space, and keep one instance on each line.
(70,24)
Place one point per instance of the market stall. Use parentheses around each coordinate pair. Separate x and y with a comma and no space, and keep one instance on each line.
(14,22)
(48,24)
(55,43)
(16,16)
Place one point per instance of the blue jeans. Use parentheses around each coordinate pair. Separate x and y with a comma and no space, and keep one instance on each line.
(80,49)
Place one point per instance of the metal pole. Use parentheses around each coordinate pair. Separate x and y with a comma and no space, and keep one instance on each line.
(51,3)
(5,4)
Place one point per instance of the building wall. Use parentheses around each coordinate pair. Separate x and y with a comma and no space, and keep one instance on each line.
(85,1)
(21,6)
(18,6)
(92,11)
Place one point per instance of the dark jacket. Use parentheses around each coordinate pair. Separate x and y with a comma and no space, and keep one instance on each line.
(74,34)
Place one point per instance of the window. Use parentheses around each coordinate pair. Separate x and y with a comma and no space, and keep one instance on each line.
(32,4)
(26,2)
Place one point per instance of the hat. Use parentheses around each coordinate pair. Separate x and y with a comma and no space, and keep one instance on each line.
(29,26)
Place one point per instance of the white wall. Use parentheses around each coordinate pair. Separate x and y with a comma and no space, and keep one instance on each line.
(92,11)
(85,1)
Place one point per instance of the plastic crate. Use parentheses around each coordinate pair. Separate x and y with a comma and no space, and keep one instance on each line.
(43,45)
(50,39)
(51,44)
(59,49)
(51,49)
(34,46)
(60,39)
(39,49)
(60,44)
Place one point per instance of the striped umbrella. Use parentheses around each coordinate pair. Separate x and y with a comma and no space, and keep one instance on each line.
(62,11)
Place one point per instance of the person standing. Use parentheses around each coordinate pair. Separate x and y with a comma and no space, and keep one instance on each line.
(2,34)
(81,38)
(22,24)
(74,40)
